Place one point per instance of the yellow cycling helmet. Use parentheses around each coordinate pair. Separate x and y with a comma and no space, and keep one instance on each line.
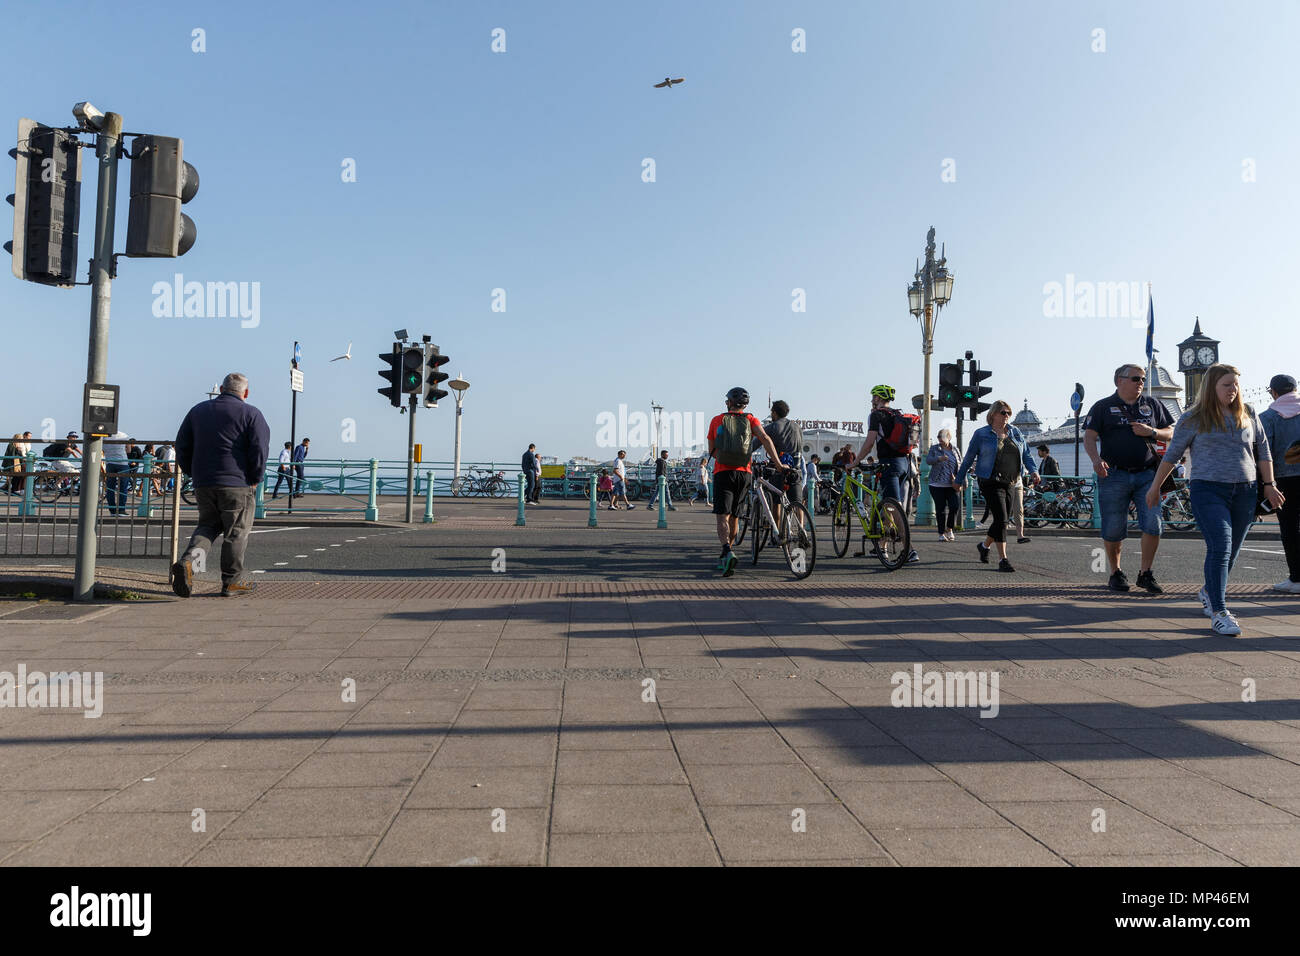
(884,391)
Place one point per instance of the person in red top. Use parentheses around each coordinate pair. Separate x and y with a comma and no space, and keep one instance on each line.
(731,480)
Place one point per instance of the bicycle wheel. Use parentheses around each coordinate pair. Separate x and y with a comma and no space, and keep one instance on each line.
(457,484)
(187,493)
(895,542)
(845,517)
(798,541)
(46,488)
(1177,513)
(499,488)
(1082,514)
(742,522)
(758,533)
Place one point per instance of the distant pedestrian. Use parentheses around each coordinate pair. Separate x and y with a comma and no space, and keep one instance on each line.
(942,459)
(1281,422)
(537,479)
(605,488)
(705,480)
(999,454)
(155,470)
(661,471)
(284,471)
(1049,468)
(116,470)
(299,465)
(223,444)
(528,465)
(1127,424)
(1231,451)
(620,480)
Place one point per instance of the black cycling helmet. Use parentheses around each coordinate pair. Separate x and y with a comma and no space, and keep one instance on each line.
(738,396)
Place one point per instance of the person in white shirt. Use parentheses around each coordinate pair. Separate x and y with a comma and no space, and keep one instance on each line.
(285,470)
(620,481)
(706,480)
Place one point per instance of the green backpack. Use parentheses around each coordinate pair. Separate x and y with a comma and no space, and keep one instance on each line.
(732,440)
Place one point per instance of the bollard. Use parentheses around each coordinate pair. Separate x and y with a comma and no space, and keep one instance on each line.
(812,499)
(342,465)
(146,469)
(1096,506)
(969,494)
(591,515)
(28,505)
(372,503)
(663,502)
(519,519)
(428,497)
(259,500)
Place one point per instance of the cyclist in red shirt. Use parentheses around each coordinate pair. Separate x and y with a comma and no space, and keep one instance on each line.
(732,436)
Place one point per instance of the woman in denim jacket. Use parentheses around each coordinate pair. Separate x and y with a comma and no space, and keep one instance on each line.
(998,451)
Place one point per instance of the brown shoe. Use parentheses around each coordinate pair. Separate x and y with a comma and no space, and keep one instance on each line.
(183,577)
(236,588)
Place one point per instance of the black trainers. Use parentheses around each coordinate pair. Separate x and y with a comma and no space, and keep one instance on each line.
(1148,580)
(1005,565)
(1119,582)
(984,552)
(183,577)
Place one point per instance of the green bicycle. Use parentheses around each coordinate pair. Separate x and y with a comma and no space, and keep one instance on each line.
(882,520)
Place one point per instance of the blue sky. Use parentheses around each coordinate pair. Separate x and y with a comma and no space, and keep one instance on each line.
(775,170)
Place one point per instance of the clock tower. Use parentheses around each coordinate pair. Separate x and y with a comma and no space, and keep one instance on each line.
(1195,356)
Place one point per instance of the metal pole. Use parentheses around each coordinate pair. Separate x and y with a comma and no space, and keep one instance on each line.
(663,501)
(519,518)
(176,518)
(428,497)
(293,434)
(372,501)
(101,270)
(459,409)
(410,460)
(591,515)
(924,506)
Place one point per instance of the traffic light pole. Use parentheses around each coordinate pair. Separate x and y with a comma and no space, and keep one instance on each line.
(410,460)
(101,271)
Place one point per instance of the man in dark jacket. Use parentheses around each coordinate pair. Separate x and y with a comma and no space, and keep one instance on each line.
(528,465)
(223,444)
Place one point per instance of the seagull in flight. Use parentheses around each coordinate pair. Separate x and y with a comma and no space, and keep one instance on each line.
(670,83)
(346,355)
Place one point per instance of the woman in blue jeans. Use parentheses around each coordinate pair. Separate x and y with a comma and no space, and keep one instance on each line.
(998,454)
(1225,438)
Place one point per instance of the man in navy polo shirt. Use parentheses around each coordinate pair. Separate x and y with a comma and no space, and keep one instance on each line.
(1127,423)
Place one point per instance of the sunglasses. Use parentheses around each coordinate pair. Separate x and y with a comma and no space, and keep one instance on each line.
(1137,378)
(1003,413)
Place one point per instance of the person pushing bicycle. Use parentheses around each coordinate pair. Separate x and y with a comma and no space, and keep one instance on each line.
(731,437)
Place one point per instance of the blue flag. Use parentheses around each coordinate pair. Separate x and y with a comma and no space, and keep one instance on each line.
(1151,327)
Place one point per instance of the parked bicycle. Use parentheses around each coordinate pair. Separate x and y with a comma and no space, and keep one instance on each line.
(481,481)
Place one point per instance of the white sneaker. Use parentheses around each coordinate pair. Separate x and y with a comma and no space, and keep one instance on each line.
(1205,602)
(1225,623)
(1287,587)
(943,537)
(950,536)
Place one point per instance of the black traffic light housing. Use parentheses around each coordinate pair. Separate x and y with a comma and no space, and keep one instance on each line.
(434,360)
(977,391)
(413,370)
(47,204)
(950,385)
(392,375)
(161,181)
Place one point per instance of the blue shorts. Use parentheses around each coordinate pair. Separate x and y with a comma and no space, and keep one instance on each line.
(1114,492)
(619,488)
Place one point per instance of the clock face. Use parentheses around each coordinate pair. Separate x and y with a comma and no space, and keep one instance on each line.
(1205,354)
(1189,356)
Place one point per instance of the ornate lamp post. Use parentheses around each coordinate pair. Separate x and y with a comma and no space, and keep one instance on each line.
(930,291)
(460,387)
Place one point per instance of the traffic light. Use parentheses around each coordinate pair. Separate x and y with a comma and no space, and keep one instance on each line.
(412,370)
(950,385)
(161,181)
(47,205)
(434,360)
(977,391)
(392,375)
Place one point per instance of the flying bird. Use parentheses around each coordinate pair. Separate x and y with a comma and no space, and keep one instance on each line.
(345,355)
(670,83)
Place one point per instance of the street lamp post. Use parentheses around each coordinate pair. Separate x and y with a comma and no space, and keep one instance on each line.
(460,387)
(929,292)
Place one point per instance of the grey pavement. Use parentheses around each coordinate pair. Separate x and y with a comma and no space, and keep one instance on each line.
(512,721)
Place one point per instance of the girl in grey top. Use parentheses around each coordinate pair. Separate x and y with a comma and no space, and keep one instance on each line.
(1224,438)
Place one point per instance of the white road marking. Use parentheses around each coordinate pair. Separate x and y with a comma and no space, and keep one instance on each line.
(319,549)
(274,530)
(279,564)
(259,571)
(336,545)
(300,555)
(1263,551)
